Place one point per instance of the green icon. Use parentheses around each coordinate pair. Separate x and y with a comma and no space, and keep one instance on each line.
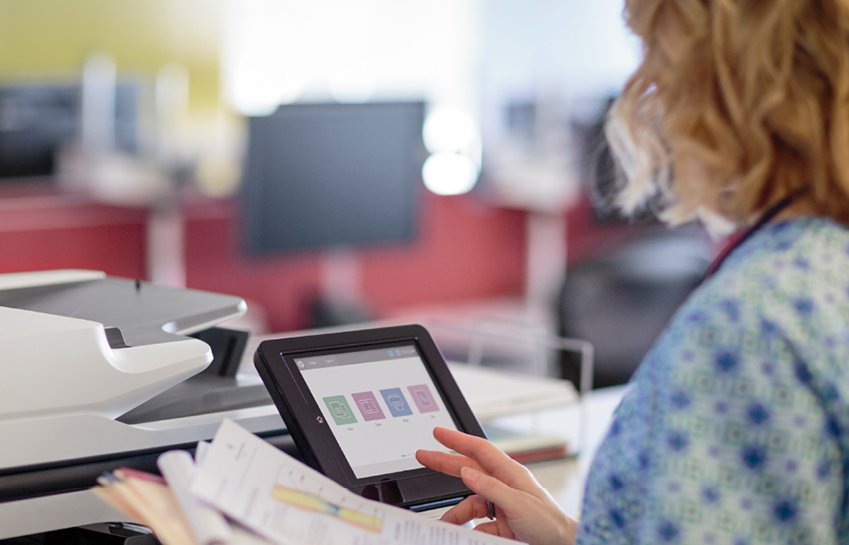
(340,410)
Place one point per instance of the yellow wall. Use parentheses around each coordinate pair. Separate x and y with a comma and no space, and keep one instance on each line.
(51,38)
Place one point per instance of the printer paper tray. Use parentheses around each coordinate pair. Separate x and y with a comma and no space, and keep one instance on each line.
(60,440)
(82,474)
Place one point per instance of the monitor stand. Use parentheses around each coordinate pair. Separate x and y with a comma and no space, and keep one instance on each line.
(545,266)
(340,300)
(166,262)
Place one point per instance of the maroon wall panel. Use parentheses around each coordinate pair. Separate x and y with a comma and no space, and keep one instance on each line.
(464,251)
(65,232)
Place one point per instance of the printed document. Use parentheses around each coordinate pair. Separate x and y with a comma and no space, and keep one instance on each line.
(289,503)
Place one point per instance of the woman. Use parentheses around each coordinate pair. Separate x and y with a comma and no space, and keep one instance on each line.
(735,429)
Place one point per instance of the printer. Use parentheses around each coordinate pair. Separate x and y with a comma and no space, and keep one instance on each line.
(99,372)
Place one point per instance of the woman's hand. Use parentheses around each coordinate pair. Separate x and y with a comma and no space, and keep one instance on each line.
(524,510)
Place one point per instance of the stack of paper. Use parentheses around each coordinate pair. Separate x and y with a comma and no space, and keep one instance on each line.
(244,491)
(492,393)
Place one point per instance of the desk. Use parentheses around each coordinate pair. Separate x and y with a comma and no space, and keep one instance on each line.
(565,479)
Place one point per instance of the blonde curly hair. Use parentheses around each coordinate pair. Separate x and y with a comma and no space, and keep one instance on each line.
(736,104)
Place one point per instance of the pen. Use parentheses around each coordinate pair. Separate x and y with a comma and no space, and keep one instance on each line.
(490,510)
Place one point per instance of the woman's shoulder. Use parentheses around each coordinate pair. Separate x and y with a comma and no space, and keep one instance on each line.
(739,411)
(777,310)
(790,274)
(809,253)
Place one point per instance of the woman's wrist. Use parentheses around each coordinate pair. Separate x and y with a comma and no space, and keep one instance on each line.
(567,531)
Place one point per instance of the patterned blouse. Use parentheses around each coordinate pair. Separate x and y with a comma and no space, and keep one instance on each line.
(735,429)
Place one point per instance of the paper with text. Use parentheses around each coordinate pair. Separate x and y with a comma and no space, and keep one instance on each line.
(291,504)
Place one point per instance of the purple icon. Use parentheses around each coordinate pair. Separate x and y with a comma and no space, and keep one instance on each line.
(423,398)
(367,404)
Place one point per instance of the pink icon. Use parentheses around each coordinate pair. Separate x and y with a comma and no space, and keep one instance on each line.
(367,404)
(423,398)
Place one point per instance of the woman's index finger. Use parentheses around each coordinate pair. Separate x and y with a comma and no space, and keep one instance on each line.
(444,462)
(489,457)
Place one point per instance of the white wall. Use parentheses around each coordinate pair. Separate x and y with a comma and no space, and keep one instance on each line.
(282,50)
(562,48)
(475,55)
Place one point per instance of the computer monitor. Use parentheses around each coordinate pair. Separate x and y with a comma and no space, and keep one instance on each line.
(330,175)
(38,119)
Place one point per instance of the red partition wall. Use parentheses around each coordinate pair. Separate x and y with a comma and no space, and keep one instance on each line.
(464,251)
(40,230)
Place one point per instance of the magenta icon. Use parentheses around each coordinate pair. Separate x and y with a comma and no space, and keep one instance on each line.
(423,398)
(367,404)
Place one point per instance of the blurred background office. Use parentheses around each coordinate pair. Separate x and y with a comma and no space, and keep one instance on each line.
(335,161)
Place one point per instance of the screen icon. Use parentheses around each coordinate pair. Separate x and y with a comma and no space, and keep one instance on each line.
(423,398)
(368,406)
(396,402)
(340,410)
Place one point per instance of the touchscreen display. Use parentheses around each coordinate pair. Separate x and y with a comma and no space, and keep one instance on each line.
(380,404)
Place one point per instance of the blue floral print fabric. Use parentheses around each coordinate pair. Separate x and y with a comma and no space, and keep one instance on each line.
(735,428)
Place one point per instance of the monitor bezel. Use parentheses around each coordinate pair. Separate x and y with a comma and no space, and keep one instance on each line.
(261,240)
